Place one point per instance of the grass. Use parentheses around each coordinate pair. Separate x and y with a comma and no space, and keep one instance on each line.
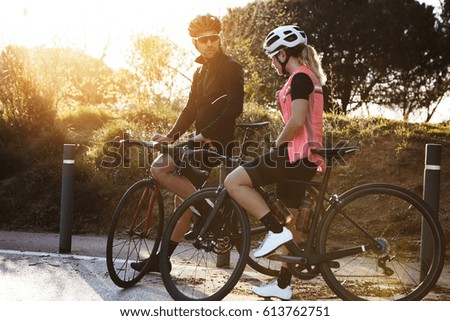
(384,144)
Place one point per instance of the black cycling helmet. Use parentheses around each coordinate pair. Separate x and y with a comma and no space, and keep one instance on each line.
(204,23)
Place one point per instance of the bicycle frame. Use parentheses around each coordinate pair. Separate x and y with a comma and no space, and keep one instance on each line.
(306,256)
(249,129)
(303,256)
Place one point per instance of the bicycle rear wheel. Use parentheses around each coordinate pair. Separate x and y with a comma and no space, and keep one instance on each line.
(135,232)
(387,222)
(199,271)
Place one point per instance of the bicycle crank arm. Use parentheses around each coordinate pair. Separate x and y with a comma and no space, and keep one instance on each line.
(289,259)
(315,259)
(328,257)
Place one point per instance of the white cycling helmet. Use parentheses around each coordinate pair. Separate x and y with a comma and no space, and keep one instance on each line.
(283,37)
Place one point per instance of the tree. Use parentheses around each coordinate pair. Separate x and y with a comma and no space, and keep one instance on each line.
(157,65)
(371,47)
(24,104)
(244,30)
(417,77)
(73,78)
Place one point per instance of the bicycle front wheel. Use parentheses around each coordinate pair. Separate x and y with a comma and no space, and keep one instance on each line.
(135,232)
(206,269)
(381,226)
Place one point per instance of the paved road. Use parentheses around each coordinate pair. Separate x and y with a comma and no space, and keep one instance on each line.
(32,269)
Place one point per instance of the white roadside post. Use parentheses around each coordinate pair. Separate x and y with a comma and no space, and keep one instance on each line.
(431,190)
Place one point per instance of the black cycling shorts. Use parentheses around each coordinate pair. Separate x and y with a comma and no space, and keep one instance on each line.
(274,167)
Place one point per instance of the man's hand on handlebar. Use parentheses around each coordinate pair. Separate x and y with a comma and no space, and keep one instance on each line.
(161,139)
(200,138)
(204,142)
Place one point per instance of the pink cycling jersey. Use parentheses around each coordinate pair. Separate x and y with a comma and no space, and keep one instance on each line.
(310,134)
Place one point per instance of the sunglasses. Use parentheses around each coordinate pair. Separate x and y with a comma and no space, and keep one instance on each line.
(206,38)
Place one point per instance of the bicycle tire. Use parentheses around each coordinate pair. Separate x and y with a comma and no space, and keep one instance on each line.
(393,216)
(129,239)
(195,274)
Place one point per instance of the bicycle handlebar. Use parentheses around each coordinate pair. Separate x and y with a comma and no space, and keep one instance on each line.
(330,152)
(189,154)
(162,147)
(187,157)
(335,151)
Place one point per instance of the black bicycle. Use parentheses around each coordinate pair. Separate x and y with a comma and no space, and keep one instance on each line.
(366,243)
(138,221)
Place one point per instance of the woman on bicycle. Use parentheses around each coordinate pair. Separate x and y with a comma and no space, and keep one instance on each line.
(301,106)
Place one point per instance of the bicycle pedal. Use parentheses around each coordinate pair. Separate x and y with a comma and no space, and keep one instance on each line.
(334,264)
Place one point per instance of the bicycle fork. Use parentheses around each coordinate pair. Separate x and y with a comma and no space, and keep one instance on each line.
(150,205)
(222,196)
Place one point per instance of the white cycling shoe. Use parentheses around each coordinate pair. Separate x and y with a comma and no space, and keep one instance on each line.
(272,289)
(273,241)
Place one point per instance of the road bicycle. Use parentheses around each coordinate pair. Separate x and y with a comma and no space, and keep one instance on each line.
(366,243)
(138,222)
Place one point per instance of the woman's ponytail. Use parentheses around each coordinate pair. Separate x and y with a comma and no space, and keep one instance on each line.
(309,57)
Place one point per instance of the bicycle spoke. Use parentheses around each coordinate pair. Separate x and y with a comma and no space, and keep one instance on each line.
(135,232)
(393,269)
(195,274)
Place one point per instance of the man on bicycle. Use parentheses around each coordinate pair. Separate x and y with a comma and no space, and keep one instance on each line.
(215,101)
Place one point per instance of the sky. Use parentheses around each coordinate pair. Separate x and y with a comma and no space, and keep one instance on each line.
(93,25)
(107,26)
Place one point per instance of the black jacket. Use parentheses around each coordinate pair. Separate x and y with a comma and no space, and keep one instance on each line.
(215,101)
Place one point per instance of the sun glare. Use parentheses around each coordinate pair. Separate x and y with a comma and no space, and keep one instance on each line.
(101,27)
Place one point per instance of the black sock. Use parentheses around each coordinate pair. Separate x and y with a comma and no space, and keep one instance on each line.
(272,223)
(172,246)
(284,278)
